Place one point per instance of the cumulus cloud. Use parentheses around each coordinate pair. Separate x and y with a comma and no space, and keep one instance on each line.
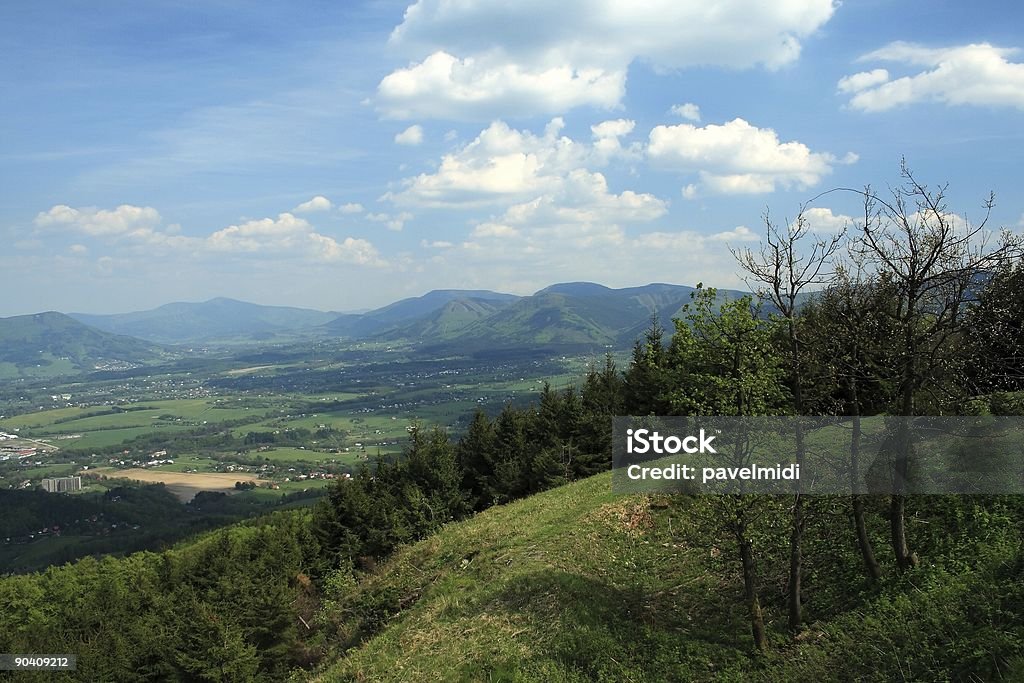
(688,111)
(479,59)
(411,136)
(821,219)
(862,81)
(349,250)
(351,207)
(394,222)
(446,87)
(544,187)
(317,203)
(99,222)
(135,229)
(257,235)
(977,74)
(290,235)
(607,143)
(500,162)
(737,158)
(579,214)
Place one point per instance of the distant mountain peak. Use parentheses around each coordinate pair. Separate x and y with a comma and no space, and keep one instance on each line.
(576,289)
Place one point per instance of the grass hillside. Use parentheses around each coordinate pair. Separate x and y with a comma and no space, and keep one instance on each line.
(577,584)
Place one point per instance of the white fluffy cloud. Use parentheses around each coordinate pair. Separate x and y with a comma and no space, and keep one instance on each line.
(500,163)
(862,80)
(607,143)
(258,235)
(583,199)
(688,111)
(349,250)
(96,222)
(821,219)
(411,136)
(289,235)
(977,74)
(393,222)
(446,87)
(135,230)
(317,203)
(737,158)
(350,208)
(483,59)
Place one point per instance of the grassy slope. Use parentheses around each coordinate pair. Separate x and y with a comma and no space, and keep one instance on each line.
(571,584)
(577,584)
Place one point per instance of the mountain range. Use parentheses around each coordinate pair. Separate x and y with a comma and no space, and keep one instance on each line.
(216,319)
(575,314)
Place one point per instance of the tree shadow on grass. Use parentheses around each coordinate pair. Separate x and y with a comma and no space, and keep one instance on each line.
(599,631)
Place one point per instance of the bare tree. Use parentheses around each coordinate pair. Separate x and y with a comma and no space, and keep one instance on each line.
(791,260)
(847,329)
(933,261)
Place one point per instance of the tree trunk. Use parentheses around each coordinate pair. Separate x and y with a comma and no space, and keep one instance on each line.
(795,562)
(750,594)
(863,541)
(796,616)
(866,551)
(904,558)
(897,507)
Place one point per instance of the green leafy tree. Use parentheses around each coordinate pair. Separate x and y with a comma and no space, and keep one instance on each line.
(729,365)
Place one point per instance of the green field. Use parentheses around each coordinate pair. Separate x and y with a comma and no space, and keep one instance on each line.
(52,367)
(286,454)
(71,420)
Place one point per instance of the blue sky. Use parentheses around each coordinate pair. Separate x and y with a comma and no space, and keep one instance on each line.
(344,155)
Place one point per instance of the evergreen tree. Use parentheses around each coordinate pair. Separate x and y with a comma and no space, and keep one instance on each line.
(476,453)
(646,382)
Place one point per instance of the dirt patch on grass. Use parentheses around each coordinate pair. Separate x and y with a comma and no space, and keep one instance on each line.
(631,516)
(185,485)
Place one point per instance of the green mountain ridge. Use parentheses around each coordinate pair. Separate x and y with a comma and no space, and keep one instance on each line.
(219,318)
(447,321)
(52,338)
(387,319)
(581,314)
(573,314)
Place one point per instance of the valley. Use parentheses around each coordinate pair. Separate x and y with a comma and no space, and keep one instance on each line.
(264,423)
